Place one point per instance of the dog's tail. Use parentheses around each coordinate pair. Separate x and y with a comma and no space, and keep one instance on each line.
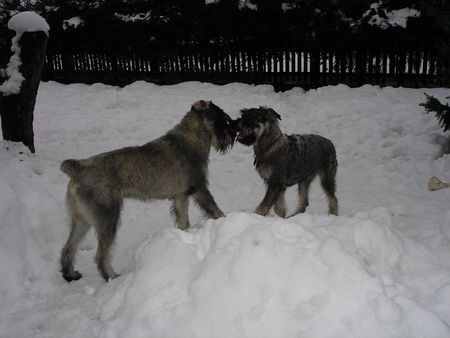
(71,168)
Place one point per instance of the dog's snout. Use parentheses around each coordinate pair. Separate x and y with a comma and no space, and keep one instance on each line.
(236,125)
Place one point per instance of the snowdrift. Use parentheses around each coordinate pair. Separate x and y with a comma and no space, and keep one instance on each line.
(250,276)
(380,269)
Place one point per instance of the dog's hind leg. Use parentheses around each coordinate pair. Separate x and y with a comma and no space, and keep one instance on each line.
(303,192)
(102,207)
(280,205)
(79,228)
(206,202)
(107,222)
(180,211)
(328,182)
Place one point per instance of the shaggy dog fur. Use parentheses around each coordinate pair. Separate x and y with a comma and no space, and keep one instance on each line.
(173,167)
(284,160)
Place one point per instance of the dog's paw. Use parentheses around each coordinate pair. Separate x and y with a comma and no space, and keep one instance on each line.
(218,214)
(110,276)
(260,211)
(114,276)
(183,226)
(71,276)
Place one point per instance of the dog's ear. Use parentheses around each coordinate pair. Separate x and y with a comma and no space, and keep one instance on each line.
(200,105)
(272,114)
(244,111)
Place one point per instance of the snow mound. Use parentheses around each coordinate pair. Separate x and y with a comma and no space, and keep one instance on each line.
(28,22)
(252,276)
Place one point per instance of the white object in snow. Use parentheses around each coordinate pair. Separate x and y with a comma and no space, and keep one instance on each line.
(436,184)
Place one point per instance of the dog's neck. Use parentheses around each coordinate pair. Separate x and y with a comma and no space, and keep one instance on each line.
(268,142)
(184,129)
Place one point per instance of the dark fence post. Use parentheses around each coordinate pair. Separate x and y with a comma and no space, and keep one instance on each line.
(315,66)
(68,63)
(16,109)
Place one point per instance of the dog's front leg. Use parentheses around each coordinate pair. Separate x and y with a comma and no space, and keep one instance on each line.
(180,211)
(272,194)
(280,205)
(206,202)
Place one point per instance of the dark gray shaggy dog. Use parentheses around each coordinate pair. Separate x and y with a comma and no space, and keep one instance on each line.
(173,167)
(284,160)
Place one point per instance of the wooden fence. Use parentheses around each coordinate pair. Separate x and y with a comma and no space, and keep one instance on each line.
(307,68)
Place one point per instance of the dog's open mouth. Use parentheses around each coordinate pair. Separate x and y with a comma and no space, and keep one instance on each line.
(246,138)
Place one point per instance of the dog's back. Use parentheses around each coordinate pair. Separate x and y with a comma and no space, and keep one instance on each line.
(305,155)
(312,148)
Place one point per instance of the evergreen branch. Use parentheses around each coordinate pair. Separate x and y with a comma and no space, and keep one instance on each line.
(442,112)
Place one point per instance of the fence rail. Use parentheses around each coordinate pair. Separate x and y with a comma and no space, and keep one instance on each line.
(307,68)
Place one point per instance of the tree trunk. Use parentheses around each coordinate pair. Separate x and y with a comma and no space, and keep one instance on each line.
(16,110)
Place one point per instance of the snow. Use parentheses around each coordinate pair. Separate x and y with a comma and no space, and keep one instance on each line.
(72,22)
(247,4)
(286,6)
(140,17)
(12,233)
(400,17)
(241,4)
(20,23)
(14,76)
(397,17)
(28,22)
(380,269)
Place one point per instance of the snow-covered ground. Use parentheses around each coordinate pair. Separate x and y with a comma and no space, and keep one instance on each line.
(380,269)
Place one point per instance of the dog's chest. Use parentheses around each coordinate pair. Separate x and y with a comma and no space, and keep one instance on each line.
(264,170)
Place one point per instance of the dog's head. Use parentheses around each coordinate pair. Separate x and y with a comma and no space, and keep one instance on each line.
(218,122)
(253,122)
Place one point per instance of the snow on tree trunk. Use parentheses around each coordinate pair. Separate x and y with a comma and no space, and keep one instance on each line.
(18,92)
